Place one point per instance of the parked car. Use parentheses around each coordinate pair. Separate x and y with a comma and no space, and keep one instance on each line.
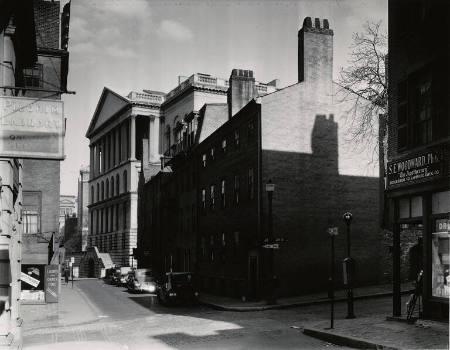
(122,276)
(141,281)
(177,288)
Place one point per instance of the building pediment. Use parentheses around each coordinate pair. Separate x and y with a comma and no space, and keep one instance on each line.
(109,104)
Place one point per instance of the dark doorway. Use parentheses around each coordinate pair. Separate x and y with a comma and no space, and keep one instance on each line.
(91,268)
(252,277)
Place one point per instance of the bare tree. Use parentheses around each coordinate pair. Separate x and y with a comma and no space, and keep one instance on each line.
(364,82)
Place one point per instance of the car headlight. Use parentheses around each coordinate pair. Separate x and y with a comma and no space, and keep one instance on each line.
(172,294)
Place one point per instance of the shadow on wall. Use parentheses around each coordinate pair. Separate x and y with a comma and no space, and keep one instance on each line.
(310,197)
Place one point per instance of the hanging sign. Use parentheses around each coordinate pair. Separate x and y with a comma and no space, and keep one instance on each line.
(31,128)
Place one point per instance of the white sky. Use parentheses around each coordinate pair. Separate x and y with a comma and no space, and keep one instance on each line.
(147,44)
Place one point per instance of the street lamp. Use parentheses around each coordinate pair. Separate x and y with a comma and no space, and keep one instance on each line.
(270,189)
(349,266)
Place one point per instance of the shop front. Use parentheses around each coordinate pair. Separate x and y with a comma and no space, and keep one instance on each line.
(418,198)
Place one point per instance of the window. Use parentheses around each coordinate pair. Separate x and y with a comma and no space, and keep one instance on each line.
(222,194)
(236,139)
(117,185)
(236,189)
(423,121)
(112,186)
(224,240)
(250,129)
(103,190)
(402,115)
(92,222)
(211,153)
(117,217)
(97,221)
(124,215)
(125,182)
(31,212)
(98,191)
(440,258)
(250,184)
(106,219)
(212,197)
(202,247)
(204,160)
(203,199)
(107,189)
(92,194)
(224,146)
(33,77)
(124,240)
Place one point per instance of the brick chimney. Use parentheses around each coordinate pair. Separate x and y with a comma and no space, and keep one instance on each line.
(315,52)
(242,89)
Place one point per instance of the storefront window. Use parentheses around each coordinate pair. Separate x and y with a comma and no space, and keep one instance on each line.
(440,258)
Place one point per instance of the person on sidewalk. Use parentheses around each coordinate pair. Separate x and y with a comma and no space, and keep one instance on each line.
(66,275)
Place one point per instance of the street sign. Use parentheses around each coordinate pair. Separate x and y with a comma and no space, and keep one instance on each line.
(271,246)
(31,128)
(30,280)
(333,231)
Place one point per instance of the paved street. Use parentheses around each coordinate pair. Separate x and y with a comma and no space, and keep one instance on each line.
(115,319)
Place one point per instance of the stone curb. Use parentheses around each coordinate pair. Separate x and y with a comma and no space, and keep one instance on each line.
(294,304)
(345,340)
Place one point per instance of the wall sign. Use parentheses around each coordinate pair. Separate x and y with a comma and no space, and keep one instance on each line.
(31,128)
(423,167)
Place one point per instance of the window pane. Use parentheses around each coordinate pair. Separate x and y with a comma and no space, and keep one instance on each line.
(440,259)
(403,208)
(441,202)
(416,206)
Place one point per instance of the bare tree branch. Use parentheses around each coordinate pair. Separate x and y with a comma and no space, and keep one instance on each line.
(365,77)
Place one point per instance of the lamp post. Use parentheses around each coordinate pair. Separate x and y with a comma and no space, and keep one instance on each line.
(349,268)
(270,189)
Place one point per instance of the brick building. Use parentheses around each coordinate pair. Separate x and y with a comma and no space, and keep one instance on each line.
(47,79)
(297,138)
(31,69)
(417,186)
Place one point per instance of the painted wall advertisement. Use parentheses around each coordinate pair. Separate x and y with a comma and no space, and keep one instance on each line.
(420,168)
(31,128)
(51,283)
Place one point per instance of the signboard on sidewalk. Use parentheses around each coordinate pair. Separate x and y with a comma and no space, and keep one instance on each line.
(31,128)
(51,283)
(30,280)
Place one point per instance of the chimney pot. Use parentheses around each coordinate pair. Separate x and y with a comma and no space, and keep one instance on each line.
(317,23)
(307,22)
(326,25)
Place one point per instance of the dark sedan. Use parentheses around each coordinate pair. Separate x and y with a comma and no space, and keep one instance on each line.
(177,288)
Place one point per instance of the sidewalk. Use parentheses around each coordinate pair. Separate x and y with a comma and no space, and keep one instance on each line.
(69,311)
(376,332)
(232,304)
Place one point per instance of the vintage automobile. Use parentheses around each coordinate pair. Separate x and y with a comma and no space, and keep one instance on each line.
(141,281)
(177,288)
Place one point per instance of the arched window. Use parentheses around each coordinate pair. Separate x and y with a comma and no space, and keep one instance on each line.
(107,189)
(98,192)
(125,181)
(117,185)
(112,186)
(103,190)
(92,194)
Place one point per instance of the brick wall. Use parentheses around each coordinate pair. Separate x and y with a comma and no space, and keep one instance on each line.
(46,15)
